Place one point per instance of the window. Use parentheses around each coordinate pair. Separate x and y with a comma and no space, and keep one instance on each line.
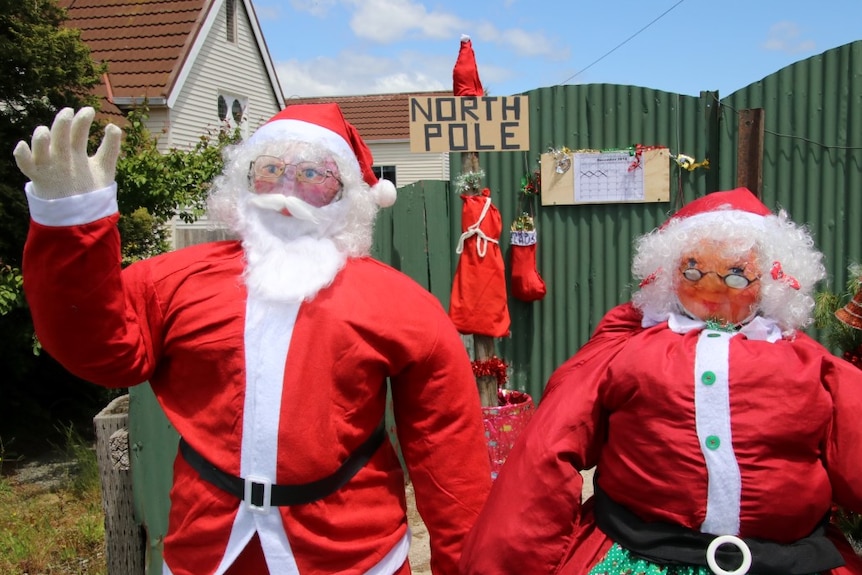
(230,20)
(385,173)
(231,112)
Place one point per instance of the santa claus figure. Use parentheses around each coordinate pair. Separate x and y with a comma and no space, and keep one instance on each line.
(270,354)
(721,434)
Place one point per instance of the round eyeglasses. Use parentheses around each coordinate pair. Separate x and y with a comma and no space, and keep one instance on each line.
(272,168)
(731,280)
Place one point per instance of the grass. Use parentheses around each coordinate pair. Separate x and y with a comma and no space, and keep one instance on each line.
(56,529)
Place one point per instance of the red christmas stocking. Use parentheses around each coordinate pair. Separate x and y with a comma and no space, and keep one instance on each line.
(527,284)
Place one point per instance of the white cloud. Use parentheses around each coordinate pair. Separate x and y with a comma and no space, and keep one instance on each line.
(520,41)
(408,82)
(317,8)
(425,66)
(353,74)
(267,12)
(785,37)
(387,21)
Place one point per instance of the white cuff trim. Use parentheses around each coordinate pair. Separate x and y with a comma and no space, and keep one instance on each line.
(73,210)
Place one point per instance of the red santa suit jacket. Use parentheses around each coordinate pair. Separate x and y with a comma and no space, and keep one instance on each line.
(283,392)
(763,459)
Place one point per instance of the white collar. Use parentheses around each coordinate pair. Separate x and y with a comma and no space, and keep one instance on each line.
(759,328)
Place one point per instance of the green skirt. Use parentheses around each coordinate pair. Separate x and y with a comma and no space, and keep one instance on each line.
(619,561)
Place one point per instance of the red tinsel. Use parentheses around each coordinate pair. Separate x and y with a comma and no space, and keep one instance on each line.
(531,184)
(493,366)
(638,152)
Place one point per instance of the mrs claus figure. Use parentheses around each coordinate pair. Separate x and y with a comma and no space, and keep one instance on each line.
(721,434)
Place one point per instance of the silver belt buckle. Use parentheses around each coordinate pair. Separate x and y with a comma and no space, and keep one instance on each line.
(249,482)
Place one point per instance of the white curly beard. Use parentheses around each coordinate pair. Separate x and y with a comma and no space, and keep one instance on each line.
(290,258)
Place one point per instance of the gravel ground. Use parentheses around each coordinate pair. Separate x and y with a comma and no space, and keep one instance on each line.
(420,551)
(49,471)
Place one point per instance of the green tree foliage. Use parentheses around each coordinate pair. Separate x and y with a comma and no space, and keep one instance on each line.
(11,282)
(845,341)
(155,187)
(46,68)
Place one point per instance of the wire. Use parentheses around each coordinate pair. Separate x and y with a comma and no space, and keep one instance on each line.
(621,44)
(791,136)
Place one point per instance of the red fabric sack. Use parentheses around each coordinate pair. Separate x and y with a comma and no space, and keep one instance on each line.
(479,303)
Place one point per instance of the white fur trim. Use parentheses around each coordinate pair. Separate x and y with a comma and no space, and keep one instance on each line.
(707,218)
(72,210)
(384,193)
(305,132)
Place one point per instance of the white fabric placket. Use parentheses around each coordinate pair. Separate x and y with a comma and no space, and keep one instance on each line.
(268,331)
(712,417)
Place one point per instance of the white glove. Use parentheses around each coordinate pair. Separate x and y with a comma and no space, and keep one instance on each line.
(58,165)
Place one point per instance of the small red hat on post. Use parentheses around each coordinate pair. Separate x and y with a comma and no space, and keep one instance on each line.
(465,75)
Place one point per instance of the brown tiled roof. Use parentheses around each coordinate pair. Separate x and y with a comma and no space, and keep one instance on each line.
(144,42)
(377,117)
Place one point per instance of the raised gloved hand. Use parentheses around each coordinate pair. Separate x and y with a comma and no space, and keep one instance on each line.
(57,162)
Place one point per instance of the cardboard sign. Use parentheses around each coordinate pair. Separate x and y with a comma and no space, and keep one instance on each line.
(469,124)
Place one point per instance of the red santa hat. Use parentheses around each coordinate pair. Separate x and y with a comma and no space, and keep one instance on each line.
(325,124)
(465,75)
(715,206)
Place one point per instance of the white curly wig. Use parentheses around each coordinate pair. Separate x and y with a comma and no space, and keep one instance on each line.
(773,238)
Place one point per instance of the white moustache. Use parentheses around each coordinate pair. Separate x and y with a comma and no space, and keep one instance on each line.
(279,202)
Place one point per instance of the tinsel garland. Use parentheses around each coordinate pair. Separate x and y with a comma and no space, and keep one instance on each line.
(531,184)
(469,182)
(493,366)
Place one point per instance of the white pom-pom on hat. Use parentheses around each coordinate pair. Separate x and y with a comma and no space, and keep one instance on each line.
(384,193)
(326,123)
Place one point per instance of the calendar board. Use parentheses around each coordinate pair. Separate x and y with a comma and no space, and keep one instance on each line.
(606,177)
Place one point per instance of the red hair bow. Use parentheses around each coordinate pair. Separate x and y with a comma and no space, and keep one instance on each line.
(779,275)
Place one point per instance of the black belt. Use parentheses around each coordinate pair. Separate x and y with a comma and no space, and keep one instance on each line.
(669,544)
(261,494)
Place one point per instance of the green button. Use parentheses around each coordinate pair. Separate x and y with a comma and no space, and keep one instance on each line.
(712,442)
(708,378)
(713,334)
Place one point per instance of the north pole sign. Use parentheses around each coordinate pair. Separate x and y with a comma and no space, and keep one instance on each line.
(469,124)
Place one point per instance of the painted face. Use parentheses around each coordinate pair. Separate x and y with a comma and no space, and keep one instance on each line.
(315,183)
(711,285)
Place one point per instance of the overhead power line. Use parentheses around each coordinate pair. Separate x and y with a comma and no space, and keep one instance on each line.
(621,44)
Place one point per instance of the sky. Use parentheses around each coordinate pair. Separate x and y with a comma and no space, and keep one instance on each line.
(360,47)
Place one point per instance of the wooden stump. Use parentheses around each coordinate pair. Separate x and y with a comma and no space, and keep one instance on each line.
(124,538)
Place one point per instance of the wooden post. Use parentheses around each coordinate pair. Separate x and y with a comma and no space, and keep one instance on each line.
(124,538)
(749,153)
(483,345)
